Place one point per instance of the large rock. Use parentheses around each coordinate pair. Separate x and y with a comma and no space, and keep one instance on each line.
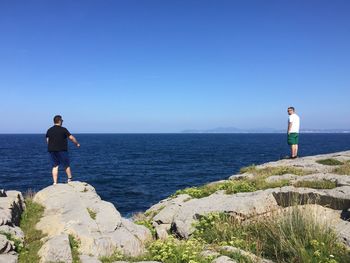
(14,231)
(242,205)
(75,209)
(11,208)
(224,259)
(337,198)
(56,249)
(5,245)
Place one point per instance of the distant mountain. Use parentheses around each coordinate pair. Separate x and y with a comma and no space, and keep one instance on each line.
(262,130)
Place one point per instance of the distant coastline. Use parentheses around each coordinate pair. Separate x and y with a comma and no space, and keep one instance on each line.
(262,130)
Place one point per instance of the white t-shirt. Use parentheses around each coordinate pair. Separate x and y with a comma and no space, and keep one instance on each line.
(295,120)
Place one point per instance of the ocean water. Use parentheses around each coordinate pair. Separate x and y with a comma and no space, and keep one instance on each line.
(134,171)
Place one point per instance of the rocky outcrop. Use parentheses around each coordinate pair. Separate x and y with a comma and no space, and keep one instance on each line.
(75,209)
(11,207)
(181,212)
(242,205)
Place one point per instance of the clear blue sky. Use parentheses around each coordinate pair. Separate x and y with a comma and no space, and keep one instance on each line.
(165,66)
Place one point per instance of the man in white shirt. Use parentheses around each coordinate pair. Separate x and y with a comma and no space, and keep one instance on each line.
(293,132)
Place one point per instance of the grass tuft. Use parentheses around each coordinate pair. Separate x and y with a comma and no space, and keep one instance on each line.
(32,237)
(319,184)
(273,170)
(294,236)
(329,161)
(92,213)
(74,245)
(343,169)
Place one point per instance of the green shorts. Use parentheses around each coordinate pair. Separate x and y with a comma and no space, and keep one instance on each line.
(293,138)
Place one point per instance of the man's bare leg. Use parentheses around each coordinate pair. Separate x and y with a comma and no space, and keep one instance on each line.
(55,174)
(294,150)
(69,173)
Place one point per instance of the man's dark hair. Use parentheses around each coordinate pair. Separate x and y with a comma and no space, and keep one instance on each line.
(57,119)
(291,108)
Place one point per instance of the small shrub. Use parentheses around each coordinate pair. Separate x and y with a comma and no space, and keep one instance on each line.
(116,256)
(74,245)
(92,213)
(175,251)
(319,184)
(32,237)
(329,161)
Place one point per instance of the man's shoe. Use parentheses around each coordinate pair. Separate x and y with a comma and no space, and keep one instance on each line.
(70,179)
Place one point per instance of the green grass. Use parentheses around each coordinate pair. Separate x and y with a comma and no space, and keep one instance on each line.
(92,213)
(74,245)
(329,161)
(32,244)
(258,182)
(319,184)
(343,169)
(273,170)
(294,236)
(170,250)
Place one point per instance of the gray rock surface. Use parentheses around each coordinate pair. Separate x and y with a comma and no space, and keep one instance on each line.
(89,259)
(181,215)
(75,209)
(11,208)
(242,205)
(14,231)
(246,254)
(8,258)
(224,259)
(56,249)
(5,245)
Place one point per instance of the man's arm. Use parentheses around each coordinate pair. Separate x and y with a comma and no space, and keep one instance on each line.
(72,138)
(289,126)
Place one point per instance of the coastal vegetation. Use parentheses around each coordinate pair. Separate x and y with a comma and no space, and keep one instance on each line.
(74,246)
(343,169)
(32,237)
(246,184)
(92,213)
(273,170)
(294,236)
(316,184)
(329,161)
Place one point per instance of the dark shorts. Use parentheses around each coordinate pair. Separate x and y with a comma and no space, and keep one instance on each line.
(59,158)
(293,138)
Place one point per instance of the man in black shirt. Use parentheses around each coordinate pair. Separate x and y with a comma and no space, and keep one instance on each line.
(56,138)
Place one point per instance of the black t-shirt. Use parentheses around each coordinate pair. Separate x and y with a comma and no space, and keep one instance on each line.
(57,138)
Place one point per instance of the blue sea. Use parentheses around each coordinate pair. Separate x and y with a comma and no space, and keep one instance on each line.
(134,171)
